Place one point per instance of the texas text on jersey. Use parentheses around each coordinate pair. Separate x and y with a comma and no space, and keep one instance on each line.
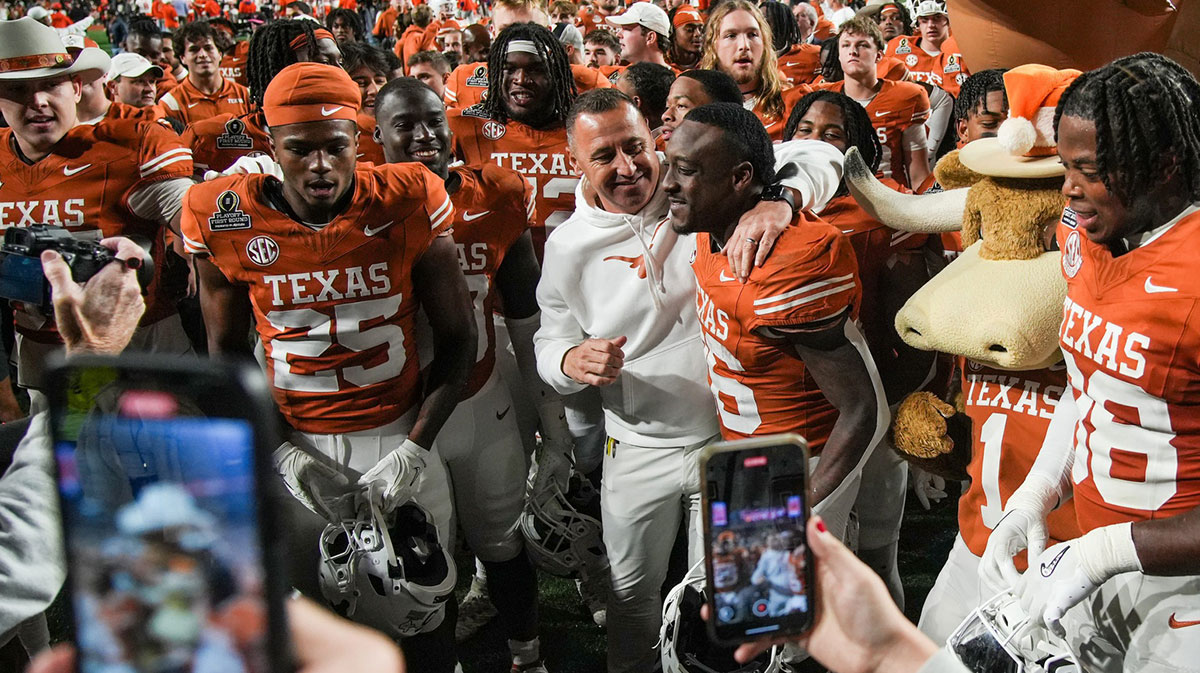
(897,107)
(334,307)
(1009,411)
(492,208)
(760,383)
(945,70)
(1132,347)
(539,156)
(86,183)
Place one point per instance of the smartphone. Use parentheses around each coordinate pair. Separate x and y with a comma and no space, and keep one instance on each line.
(760,567)
(173,556)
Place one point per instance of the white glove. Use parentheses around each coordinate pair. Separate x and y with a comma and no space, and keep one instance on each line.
(253,163)
(927,487)
(1023,526)
(1069,572)
(394,478)
(307,478)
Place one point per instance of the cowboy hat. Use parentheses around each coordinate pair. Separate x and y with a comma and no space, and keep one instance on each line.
(30,49)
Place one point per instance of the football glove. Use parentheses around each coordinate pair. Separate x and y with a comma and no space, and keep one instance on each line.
(929,488)
(253,163)
(307,478)
(394,478)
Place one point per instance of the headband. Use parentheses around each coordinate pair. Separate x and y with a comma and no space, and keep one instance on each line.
(301,40)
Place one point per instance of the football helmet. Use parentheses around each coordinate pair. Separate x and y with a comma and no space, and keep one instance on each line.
(389,572)
(999,637)
(685,644)
(558,537)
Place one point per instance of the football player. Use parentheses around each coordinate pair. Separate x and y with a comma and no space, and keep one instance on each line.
(204,93)
(688,40)
(692,89)
(647,84)
(799,62)
(220,141)
(330,265)
(480,443)
(469,82)
(644,31)
(368,67)
(932,56)
(735,43)
(115,177)
(1124,440)
(345,25)
(601,50)
(784,353)
(145,38)
(898,110)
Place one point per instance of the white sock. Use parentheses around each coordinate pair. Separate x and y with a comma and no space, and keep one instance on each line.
(525,652)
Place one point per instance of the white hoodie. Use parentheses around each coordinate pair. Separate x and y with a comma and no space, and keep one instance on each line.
(593,286)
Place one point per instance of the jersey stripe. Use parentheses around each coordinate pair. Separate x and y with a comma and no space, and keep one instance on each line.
(439,216)
(811,298)
(802,290)
(165,159)
(194,247)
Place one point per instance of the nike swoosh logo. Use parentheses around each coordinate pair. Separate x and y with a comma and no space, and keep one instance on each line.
(1048,568)
(371,232)
(501,414)
(68,171)
(468,217)
(1178,624)
(726,279)
(880,114)
(192,105)
(326,111)
(1151,288)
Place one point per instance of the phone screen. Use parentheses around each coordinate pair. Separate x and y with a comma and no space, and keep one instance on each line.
(162,515)
(21,279)
(759,564)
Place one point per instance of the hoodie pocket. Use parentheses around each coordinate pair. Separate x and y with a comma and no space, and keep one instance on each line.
(668,386)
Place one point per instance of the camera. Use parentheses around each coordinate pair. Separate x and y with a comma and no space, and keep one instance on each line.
(21,277)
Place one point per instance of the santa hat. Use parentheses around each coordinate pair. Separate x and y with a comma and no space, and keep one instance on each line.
(1033,93)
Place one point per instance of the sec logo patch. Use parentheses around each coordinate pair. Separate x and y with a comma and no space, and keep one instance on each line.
(910,60)
(262,250)
(1072,256)
(493,130)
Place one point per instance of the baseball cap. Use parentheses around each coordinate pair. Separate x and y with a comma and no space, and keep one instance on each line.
(929,8)
(309,92)
(685,15)
(569,34)
(645,15)
(37,13)
(128,64)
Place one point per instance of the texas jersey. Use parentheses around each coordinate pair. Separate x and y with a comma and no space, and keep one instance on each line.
(86,184)
(539,156)
(945,69)
(188,104)
(775,124)
(801,64)
(760,383)
(119,110)
(218,142)
(1009,412)
(468,83)
(492,208)
(334,307)
(368,150)
(897,107)
(233,64)
(1131,341)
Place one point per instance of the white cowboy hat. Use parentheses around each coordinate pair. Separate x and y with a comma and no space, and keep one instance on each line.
(32,50)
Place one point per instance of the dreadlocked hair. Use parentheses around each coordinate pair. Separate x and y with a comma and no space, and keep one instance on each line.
(144,25)
(271,51)
(1144,108)
(859,131)
(783,25)
(975,91)
(348,17)
(770,81)
(552,53)
(743,135)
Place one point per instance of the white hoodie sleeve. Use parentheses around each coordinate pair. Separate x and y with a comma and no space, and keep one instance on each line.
(818,171)
(559,331)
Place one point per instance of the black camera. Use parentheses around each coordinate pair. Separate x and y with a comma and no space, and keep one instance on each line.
(21,277)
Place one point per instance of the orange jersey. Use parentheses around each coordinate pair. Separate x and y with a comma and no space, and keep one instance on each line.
(85,184)
(1009,414)
(801,64)
(760,384)
(385,23)
(874,245)
(539,156)
(776,125)
(468,83)
(119,110)
(411,42)
(188,104)
(1133,360)
(369,151)
(945,69)
(233,65)
(335,308)
(897,106)
(165,84)
(891,68)
(589,20)
(218,142)
(492,208)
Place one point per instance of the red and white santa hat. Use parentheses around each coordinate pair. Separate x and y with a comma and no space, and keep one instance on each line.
(1033,93)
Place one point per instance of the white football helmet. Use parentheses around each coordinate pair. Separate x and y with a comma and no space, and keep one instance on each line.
(999,637)
(558,537)
(389,572)
(684,641)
